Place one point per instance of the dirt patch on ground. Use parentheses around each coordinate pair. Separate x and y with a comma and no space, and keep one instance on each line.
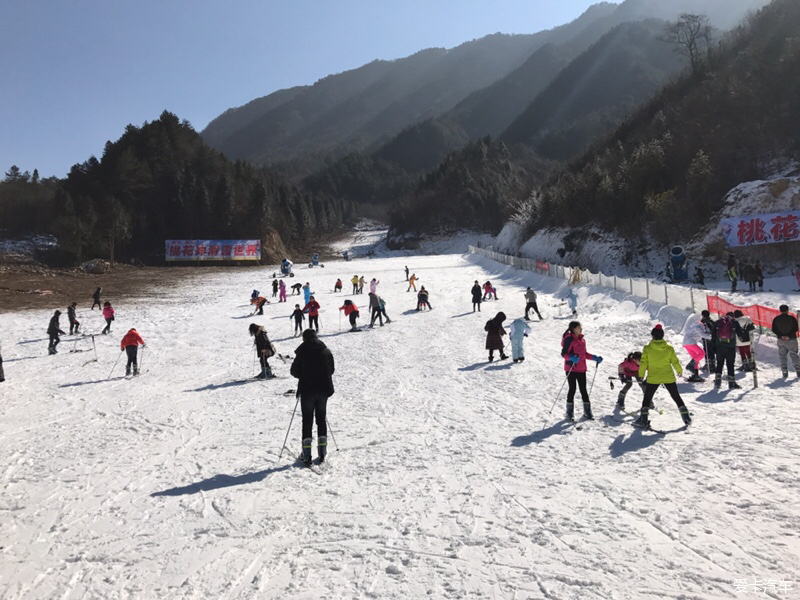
(32,286)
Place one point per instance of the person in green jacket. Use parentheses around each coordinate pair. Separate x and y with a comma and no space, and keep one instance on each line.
(658,367)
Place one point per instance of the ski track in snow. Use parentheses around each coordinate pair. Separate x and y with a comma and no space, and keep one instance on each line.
(452,479)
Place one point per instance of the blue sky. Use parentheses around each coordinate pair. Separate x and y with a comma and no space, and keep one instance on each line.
(76,73)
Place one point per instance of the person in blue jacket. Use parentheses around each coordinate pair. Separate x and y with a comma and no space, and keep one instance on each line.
(572,301)
(307,292)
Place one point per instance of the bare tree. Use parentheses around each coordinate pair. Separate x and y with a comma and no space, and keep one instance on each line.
(691,35)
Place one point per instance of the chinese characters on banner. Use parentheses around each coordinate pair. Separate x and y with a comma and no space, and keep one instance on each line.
(210,250)
(755,230)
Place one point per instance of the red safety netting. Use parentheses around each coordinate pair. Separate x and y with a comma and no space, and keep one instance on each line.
(542,265)
(762,316)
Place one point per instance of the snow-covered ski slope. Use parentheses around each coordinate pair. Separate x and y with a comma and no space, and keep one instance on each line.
(452,478)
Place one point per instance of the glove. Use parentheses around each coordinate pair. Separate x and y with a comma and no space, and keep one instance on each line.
(574,360)
(598,359)
(525,334)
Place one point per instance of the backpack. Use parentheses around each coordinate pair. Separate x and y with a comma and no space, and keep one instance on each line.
(725,329)
(745,337)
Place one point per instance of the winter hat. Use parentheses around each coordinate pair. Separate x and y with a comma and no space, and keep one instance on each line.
(658,332)
(309,335)
(658,326)
(253,328)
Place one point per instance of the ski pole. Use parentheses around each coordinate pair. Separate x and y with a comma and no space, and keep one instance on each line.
(141,358)
(340,321)
(335,445)
(593,378)
(290,426)
(95,348)
(562,389)
(115,364)
(255,356)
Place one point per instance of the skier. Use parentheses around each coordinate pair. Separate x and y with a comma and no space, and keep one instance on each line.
(299,316)
(406,272)
(54,330)
(530,303)
(699,276)
(487,291)
(785,327)
(350,310)
(759,276)
(108,315)
(382,306)
(659,365)
(264,349)
(282,291)
(477,296)
(726,350)
(313,366)
(494,336)
(573,349)
(130,344)
(422,299)
(274,288)
(74,324)
(375,310)
(254,296)
(628,370)
(96,298)
(338,287)
(518,331)
(361,283)
(749,276)
(354,281)
(412,282)
(373,286)
(572,302)
(696,333)
(307,292)
(743,341)
(710,345)
(296,289)
(260,302)
(732,272)
(312,308)
(315,260)
(796,273)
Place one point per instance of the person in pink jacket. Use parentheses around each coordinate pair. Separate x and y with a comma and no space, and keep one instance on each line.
(373,286)
(573,349)
(282,293)
(108,315)
(628,370)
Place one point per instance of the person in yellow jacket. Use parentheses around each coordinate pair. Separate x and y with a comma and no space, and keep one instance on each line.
(354,281)
(658,367)
(412,282)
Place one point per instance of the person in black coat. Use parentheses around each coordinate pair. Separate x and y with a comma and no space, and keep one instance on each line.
(477,296)
(74,324)
(96,299)
(494,336)
(264,349)
(54,330)
(313,366)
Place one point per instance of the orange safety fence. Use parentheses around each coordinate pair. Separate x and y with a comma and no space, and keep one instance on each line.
(762,316)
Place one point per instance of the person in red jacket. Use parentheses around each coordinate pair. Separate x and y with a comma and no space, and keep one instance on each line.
(350,310)
(312,308)
(628,370)
(573,349)
(130,343)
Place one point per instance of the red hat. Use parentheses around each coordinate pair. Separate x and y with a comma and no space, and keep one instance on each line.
(659,326)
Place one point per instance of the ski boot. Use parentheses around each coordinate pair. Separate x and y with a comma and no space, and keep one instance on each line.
(718,380)
(127,371)
(306,455)
(570,411)
(135,371)
(732,385)
(786,373)
(695,378)
(322,448)
(621,401)
(521,359)
(687,418)
(643,422)
(516,360)
(587,411)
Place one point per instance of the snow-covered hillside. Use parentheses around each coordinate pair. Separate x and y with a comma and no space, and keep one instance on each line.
(452,480)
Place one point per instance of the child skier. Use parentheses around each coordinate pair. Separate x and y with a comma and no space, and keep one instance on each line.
(54,331)
(494,336)
(282,291)
(130,344)
(296,289)
(422,299)
(488,291)
(628,370)
(530,303)
(351,311)
(659,365)
(338,287)
(573,349)
(477,296)
(518,331)
(298,317)
(572,302)
(312,308)
(74,324)
(264,349)
(108,315)
(696,334)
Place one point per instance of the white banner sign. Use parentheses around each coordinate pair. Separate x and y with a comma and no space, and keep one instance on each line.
(755,230)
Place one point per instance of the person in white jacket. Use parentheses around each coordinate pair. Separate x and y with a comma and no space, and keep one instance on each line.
(519,330)
(693,338)
(743,340)
(373,286)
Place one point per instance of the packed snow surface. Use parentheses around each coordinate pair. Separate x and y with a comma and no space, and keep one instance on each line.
(452,478)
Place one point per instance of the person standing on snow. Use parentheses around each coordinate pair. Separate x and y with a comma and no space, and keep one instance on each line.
(361,283)
(313,366)
(710,345)
(307,292)
(274,288)
(573,349)
(743,339)
(74,324)
(785,327)
(264,349)
(659,365)
(572,302)
(494,336)
(518,331)
(488,290)
(130,344)
(696,334)
(312,308)
(375,310)
(628,370)
(354,281)
(727,330)
(54,331)
(337,287)
(351,311)
(796,273)
(749,276)
(373,286)
(2,375)
(298,317)
(406,272)
(699,276)
(108,315)
(530,303)
(422,299)
(96,298)
(412,282)
(759,276)
(477,296)
(732,272)
(282,292)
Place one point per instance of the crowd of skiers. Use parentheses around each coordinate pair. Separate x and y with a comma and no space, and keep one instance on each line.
(751,274)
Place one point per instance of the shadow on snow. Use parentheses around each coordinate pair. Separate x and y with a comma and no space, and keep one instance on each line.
(222,481)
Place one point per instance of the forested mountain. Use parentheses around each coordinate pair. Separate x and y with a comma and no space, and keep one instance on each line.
(734,119)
